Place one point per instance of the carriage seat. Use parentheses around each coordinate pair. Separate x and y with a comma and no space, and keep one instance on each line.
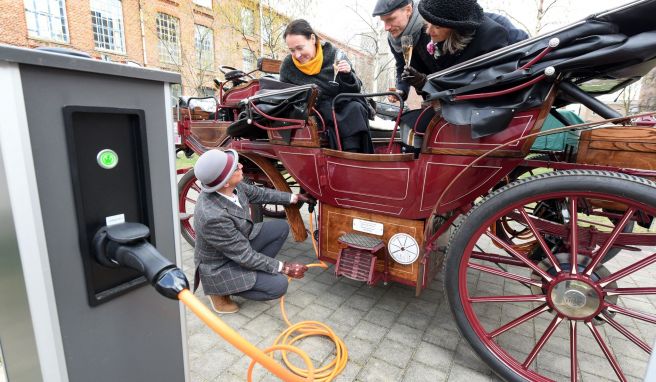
(276,99)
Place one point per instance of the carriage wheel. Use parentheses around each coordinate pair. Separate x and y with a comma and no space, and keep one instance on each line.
(569,314)
(188,192)
(517,234)
(276,210)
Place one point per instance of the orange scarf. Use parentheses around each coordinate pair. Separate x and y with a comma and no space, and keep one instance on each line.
(313,66)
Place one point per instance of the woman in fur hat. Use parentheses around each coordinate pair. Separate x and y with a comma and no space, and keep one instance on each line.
(459,31)
(311,62)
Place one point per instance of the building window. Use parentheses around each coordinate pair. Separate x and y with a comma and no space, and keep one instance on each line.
(206,91)
(107,23)
(204,47)
(248,21)
(204,3)
(46,19)
(168,31)
(248,60)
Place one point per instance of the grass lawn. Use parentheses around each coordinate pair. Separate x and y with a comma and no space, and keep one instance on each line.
(181,161)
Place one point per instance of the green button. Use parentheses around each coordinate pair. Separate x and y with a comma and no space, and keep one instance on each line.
(107,159)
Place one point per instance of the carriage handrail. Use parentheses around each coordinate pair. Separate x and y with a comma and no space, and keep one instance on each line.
(199,98)
(369,95)
(578,127)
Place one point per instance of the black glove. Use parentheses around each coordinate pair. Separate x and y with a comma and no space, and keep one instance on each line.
(413,77)
(302,198)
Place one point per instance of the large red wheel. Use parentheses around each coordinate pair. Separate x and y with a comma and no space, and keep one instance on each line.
(561,310)
(188,191)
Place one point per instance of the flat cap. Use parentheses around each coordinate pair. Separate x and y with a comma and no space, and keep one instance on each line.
(384,7)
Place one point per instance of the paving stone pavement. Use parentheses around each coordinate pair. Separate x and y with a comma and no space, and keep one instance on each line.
(391,335)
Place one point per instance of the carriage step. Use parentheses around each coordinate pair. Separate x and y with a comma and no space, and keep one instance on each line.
(358,260)
(367,243)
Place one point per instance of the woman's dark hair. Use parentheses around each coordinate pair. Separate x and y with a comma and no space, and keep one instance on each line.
(299,27)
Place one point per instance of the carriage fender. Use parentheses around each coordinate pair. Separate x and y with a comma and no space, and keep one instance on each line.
(293,213)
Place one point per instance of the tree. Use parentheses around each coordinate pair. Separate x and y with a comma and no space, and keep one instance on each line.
(648,92)
(373,42)
(260,24)
(194,59)
(545,13)
(629,97)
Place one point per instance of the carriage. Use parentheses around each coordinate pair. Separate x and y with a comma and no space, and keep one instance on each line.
(548,256)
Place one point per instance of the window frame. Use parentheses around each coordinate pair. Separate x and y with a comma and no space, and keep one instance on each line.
(250,31)
(203,63)
(31,7)
(172,24)
(248,60)
(203,3)
(120,48)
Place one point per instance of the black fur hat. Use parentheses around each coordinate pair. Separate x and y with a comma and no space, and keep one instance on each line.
(456,14)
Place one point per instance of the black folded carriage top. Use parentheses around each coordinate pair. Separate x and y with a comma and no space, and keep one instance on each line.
(600,54)
(277,105)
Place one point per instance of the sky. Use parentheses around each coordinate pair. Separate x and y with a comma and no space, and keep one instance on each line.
(338,18)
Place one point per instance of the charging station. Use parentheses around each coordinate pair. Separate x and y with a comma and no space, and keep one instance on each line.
(85,144)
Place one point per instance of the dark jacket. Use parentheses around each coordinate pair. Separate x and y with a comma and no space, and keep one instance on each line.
(514,34)
(225,260)
(424,62)
(348,82)
(352,113)
(488,37)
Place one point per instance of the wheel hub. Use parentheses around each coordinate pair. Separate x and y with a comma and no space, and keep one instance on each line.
(575,298)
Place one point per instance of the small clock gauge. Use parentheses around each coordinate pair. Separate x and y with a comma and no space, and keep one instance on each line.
(403,248)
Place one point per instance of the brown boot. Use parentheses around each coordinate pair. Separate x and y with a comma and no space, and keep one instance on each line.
(223,304)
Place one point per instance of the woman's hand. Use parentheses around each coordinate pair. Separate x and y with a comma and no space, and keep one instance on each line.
(343,67)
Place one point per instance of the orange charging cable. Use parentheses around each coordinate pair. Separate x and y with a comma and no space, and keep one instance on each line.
(283,343)
(312,328)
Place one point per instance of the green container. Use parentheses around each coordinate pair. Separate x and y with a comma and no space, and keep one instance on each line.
(558,141)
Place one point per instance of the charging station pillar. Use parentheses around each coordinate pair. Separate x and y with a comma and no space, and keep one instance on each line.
(84,142)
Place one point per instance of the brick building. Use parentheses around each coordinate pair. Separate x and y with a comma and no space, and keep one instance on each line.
(193,37)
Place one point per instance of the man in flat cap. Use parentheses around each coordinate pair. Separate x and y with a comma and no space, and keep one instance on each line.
(401,18)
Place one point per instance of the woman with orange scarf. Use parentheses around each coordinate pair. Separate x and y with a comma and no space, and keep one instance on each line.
(311,62)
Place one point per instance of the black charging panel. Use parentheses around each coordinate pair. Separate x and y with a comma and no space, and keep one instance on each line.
(100,193)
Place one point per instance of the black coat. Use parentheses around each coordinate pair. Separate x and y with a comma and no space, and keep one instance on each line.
(489,36)
(352,113)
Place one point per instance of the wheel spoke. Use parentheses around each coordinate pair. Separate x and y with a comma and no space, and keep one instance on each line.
(525,298)
(520,320)
(540,239)
(632,313)
(480,255)
(190,200)
(630,291)
(507,275)
(196,187)
(518,255)
(628,270)
(543,341)
(609,355)
(601,254)
(573,351)
(625,332)
(574,234)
